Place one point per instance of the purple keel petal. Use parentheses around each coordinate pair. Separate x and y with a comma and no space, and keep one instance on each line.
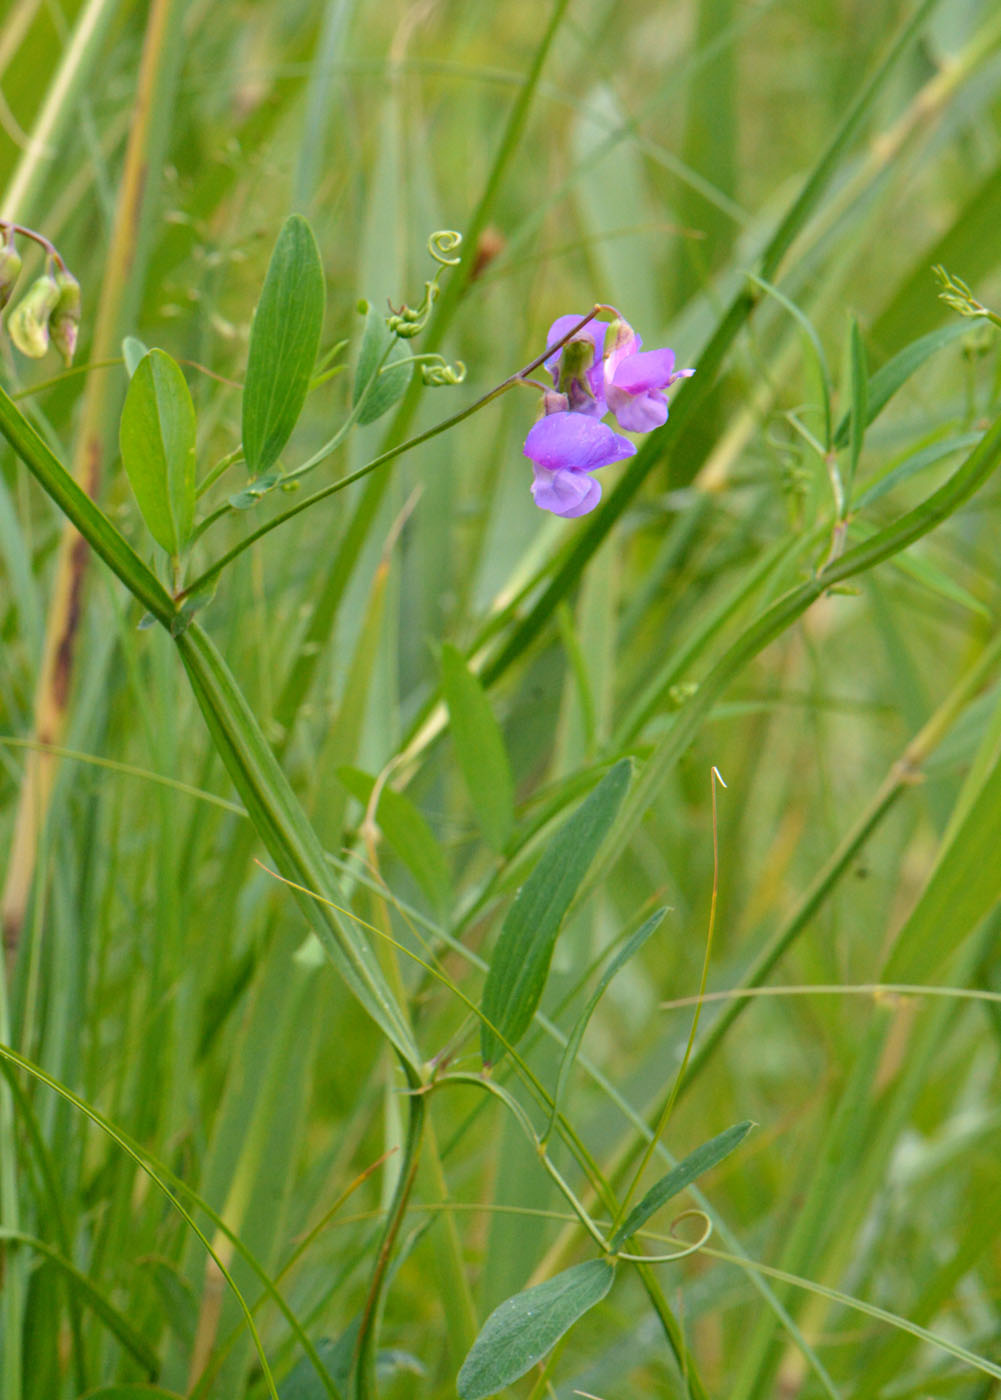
(575,442)
(637,413)
(565,493)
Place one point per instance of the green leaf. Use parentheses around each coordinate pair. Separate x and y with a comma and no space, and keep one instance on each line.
(157,439)
(896,372)
(382,381)
(303,1383)
(823,373)
(524,949)
(284,340)
(177,1298)
(915,464)
(133,351)
(479,748)
(524,1328)
(679,1177)
(860,405)
(634,944)
(408,834)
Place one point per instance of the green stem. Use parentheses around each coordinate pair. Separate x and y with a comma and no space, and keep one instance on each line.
(102,536)
(362,1385)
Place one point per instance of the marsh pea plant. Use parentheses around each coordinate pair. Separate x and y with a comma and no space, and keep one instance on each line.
(361,751)
(596,368)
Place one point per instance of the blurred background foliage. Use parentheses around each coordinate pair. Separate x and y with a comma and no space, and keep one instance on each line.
(168,979)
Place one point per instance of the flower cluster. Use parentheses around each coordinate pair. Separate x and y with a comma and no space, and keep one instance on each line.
(599,370)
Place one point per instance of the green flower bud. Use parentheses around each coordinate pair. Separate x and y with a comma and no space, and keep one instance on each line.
(28,323)
(65,319)
(10,266)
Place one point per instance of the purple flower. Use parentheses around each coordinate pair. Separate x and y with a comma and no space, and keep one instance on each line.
(576,367)
(634,382)
(565,448)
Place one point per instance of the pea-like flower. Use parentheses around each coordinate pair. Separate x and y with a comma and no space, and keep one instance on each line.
(634,382)
(565,448)
(599,369)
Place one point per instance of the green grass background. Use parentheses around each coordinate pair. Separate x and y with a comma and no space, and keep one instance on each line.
(170,982)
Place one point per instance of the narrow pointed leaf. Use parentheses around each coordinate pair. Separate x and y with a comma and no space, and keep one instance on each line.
(524,949)
(157,439)
(627,951)
(479,748)
(378,377)
(524,1328)
(896,372)
(284,340)
(860,404)
(679,1177)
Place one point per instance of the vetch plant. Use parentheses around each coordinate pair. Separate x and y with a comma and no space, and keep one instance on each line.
(410,1106)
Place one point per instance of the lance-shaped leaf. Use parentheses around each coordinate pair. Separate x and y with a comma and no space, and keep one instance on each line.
(520,963)
(157,440)
(617,963)
(895,373)
(284,339)
(377,375)
(479,748)
(679,1177)
(524,1328)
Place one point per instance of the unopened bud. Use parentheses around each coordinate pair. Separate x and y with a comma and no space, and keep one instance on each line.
(28,323)
(10,266)
(620,337)
(64,323)
(576,359)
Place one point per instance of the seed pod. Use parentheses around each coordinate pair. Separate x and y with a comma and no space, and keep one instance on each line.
(28,323)
(10,266)
(64,322)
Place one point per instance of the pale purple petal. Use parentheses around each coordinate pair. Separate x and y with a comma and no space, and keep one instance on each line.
(637,413)
(575,442)
(565,493)
(654,369)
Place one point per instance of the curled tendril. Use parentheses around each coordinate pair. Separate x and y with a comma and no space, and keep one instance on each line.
(442,242)
(441,372)
(411,320)
(680,1253)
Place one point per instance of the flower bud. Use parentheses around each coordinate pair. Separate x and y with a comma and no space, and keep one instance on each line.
(64,323)
(621,340)
(28,323)
(10,266)
(554,402)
